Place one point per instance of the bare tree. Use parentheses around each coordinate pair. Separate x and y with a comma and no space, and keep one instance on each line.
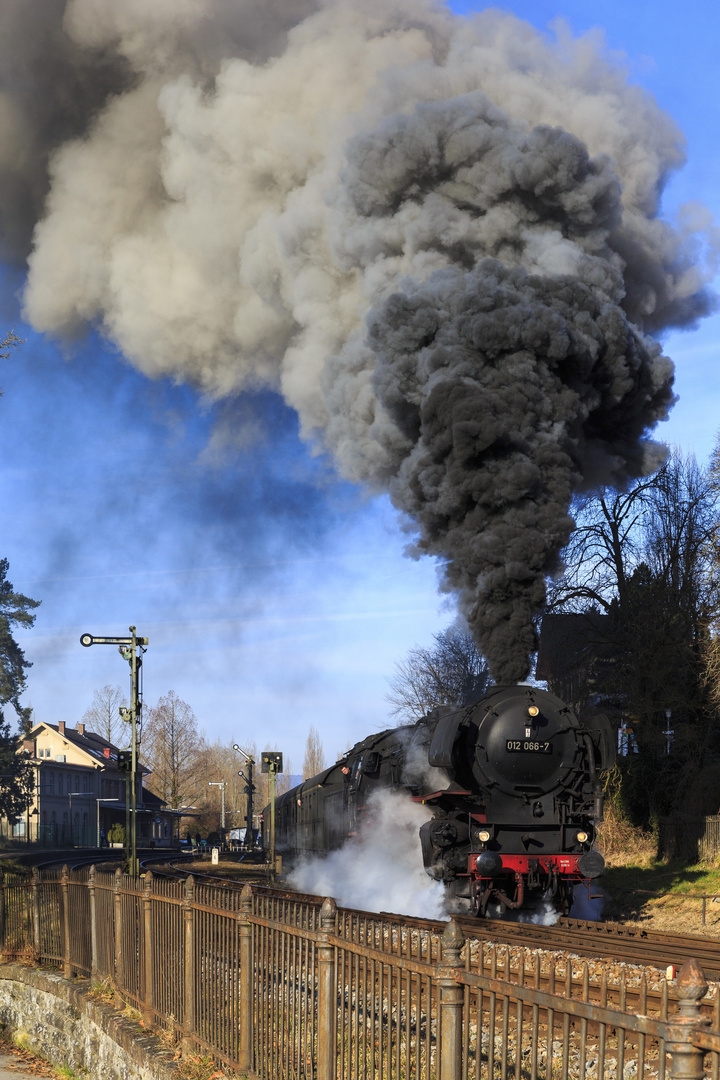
(711,644)
(103,716)
(604,549)
(171,749)
(641,579)
(216,763)
(449,672)
(285,780)
(314,761)
(667,522)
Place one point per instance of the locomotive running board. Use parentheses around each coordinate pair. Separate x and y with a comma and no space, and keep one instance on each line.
(438,795)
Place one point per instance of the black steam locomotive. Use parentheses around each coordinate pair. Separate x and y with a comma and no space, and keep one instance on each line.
(513,784)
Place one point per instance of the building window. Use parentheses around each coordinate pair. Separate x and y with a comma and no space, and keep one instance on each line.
(18,828)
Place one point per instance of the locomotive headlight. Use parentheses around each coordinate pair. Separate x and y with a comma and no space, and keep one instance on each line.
(484,835)
(533,710)
(582,837)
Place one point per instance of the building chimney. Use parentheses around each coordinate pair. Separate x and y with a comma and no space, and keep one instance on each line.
(81,729)
(106,751)
(61,727)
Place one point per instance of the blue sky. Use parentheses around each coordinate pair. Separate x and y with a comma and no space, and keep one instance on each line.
(274,595)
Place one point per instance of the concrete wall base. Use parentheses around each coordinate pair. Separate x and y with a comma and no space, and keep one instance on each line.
(55,1019)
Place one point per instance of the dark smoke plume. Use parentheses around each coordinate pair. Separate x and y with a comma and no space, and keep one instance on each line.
(438,238)
(510,389)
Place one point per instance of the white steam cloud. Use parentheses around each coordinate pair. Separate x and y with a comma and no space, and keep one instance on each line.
(380,869)
(437,237)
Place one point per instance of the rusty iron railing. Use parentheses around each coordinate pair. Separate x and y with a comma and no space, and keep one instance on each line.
(278,988)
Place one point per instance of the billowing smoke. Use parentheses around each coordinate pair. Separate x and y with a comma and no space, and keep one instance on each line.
(417,771)
(437,237)
(380,869)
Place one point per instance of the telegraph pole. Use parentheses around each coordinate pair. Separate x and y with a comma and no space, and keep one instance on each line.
(131,649)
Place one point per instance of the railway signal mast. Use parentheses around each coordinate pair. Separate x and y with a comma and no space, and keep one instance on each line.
(249,791)
(221,785)
(131,649)
(271,761)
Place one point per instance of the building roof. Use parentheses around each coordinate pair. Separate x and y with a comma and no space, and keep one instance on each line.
(88,742)
(152,800)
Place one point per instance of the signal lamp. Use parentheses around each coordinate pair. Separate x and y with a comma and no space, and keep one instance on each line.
(484,835)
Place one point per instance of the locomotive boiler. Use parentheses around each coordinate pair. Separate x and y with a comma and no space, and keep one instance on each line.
(513,784)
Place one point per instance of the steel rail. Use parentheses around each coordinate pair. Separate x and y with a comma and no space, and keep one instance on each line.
(594,940)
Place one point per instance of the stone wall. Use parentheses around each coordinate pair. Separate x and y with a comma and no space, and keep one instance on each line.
(55,1019)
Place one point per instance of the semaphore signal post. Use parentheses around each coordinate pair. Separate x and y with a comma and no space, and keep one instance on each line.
(131,649)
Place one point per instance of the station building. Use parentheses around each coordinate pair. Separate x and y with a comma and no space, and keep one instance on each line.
(80,792)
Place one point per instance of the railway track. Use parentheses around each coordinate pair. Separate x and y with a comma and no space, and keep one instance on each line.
(591,940)
(70,857)
(611,941)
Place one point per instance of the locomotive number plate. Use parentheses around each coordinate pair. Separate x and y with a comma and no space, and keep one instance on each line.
(528,746)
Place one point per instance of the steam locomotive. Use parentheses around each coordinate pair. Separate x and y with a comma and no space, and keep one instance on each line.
(513,785)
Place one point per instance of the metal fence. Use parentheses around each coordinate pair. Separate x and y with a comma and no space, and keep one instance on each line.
(281,989)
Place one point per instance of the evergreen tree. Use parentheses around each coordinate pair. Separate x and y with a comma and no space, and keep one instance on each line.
(16,780)
(16,777)
(9,342)
(14,610)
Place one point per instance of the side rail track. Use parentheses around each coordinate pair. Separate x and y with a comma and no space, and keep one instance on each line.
(279,988)
(611,941)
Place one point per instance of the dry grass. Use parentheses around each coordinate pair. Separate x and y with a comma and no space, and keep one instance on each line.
(203,1067)
(624,845)
(102,991)
(651,893)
